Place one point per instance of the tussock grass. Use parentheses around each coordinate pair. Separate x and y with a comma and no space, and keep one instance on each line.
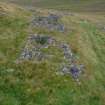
(36,83)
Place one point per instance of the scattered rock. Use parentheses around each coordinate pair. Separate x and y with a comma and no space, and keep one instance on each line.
(68,55)
(34,44)
(74,72)
(26,54)
(51,23)
(32,51)
(65,70)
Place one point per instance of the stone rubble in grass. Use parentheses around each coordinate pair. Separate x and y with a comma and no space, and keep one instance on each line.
(32,51)
(35,43)
(50,22)
(67,51)
(73,70)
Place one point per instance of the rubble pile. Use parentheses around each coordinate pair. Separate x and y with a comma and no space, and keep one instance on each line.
(32,51)
(50,22)
(34,44)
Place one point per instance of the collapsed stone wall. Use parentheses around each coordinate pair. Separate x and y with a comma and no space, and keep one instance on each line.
(32,51)
(50,22)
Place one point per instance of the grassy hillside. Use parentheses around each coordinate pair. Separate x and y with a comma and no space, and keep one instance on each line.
(36,83)
(73,5)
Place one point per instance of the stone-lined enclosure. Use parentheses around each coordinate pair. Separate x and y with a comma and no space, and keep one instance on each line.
(35,44)
(33,51)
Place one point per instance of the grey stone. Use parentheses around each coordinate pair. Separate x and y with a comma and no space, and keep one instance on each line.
(26,54)
(67,52)
(74,72)
(81,68)
(51,23)
(65,70)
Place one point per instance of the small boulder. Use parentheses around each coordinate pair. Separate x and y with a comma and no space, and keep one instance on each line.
(75,72)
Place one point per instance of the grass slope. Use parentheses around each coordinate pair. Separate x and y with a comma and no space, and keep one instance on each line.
(73,5)
(36,83)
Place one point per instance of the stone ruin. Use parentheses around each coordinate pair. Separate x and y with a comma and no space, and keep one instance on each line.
(68,55)
(34,44)
(32,51)
(50,22)
(74,70)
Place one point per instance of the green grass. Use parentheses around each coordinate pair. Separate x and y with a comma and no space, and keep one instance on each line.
(73,5)
(36,83)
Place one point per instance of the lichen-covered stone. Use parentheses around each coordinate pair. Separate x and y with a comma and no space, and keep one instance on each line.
(50,22)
